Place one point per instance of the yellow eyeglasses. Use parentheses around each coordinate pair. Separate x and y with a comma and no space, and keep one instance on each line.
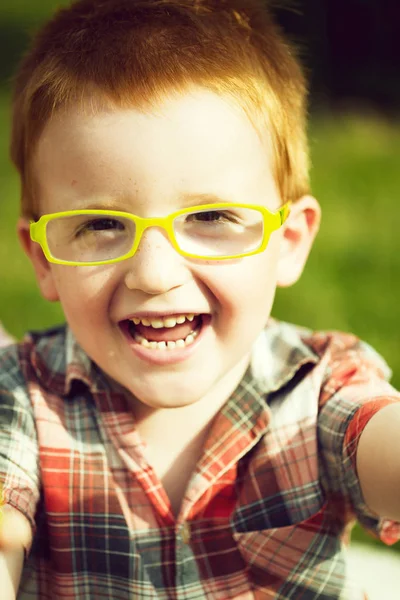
(207,232)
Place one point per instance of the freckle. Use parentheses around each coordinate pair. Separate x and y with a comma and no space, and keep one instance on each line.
(73,183)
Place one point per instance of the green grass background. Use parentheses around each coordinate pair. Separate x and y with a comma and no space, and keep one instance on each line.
(352,280)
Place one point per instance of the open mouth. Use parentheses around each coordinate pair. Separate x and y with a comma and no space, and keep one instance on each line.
(166,333)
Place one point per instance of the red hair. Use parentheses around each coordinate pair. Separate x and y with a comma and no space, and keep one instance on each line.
(134,53)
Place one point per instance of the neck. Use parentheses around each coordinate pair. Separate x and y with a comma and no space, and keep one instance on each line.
(186,422)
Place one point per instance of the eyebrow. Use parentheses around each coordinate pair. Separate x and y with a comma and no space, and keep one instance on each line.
(194,199)
(184,200)
(105,205)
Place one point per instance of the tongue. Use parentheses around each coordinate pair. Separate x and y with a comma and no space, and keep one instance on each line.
(168,334)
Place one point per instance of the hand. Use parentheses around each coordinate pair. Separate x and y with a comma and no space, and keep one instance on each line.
(15,529)
(15,535)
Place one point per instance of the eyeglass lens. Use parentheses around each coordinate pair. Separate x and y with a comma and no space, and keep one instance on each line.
(208,233)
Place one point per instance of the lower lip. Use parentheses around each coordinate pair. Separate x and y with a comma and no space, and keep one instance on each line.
(166,357)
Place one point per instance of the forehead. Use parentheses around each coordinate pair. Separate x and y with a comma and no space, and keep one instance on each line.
(198,143)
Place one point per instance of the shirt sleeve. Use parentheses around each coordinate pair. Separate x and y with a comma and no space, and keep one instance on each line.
(19,464)
(355,389)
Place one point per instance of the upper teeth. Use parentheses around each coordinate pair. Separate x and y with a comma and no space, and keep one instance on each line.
(160,322)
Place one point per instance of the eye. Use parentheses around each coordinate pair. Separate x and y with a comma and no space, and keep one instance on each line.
(213,216)
(100,224)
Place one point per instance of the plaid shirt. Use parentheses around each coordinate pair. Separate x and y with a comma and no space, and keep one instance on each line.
(269,507)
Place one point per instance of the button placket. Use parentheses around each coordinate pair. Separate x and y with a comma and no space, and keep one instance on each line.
(185,532)
(183,554)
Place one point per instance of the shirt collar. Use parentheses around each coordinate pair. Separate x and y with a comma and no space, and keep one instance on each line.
(58,361)
(278,354)
(79,366)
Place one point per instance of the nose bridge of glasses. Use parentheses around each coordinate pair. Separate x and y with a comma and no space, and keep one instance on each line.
(144,223)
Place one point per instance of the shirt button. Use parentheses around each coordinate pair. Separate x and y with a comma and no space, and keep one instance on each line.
(185,532)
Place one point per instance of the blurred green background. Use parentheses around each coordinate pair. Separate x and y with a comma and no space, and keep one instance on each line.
(352,280)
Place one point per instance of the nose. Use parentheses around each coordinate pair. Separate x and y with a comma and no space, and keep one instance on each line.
(156,266)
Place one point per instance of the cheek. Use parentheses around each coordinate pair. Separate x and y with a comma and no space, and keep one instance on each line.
(247,288)
(84,294)
(257,289)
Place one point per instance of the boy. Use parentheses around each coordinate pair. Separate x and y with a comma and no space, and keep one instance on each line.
(173,441)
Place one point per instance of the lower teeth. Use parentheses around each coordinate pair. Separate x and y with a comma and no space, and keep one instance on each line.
(167,345)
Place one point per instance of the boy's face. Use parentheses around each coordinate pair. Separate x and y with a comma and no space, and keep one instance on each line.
(152,164)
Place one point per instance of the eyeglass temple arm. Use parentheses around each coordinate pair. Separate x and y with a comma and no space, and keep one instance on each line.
(284,212)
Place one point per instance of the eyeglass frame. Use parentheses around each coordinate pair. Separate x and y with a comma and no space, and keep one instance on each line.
(37,230)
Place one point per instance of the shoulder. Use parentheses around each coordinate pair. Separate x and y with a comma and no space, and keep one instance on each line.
(11,375)
(290,339)
(314,368)
(353,370)
(25,362)
(345,348)
(341,356)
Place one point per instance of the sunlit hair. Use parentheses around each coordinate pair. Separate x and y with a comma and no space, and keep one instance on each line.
(136,53)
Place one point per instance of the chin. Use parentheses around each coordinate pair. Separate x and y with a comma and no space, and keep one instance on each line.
(167,401)
(155,399)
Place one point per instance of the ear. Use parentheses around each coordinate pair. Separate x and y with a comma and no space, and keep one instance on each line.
(43,269)
(299,233)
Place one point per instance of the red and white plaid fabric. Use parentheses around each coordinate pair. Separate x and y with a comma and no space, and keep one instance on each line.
(269,508)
